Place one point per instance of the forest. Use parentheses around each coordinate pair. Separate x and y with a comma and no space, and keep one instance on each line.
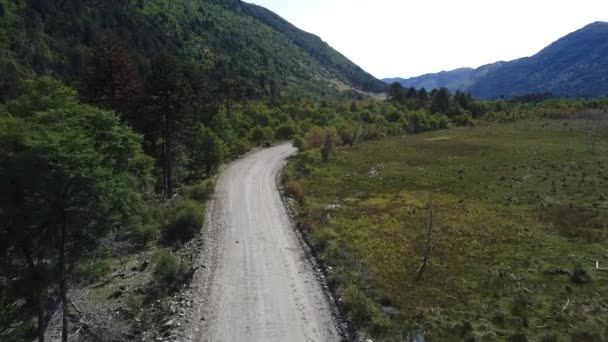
(115,117)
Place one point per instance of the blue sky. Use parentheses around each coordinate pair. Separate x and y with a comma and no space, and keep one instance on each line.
(408,38)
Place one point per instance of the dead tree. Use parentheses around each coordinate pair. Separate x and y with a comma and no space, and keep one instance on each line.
(429,236)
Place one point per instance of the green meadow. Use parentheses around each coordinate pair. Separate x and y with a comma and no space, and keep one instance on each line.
(519,220)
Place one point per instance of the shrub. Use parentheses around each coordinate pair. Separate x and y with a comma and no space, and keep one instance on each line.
(95,270)
(328,147)
(201,191)
(463,120)
(299,143)
(444,122)
(296,189)
(169,270)
(185,220)
(259,134)
(240,147)
(146,232)
(314,138)
(363,312)
(285,132)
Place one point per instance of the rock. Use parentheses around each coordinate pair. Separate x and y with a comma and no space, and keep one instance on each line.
(170,324)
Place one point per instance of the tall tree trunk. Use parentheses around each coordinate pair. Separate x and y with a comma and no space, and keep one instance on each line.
(63,282)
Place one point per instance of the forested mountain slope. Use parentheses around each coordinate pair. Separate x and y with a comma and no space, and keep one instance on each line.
(575,65)
(262,53)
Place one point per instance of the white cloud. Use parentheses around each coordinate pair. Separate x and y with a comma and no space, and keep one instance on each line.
(408,38)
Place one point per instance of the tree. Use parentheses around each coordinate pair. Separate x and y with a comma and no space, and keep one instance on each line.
(423,95)
(69,173)
(111,80)
(222,126)
(397,93)
(169,104)
(328,146)
(440,102)
(208,151)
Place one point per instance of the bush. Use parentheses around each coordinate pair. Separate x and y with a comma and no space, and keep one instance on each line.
(285,132)
(169,270)
(240,147)
(363,312)
(296,189)
(185,220)
(146,232)
(201,191)
(260,135)
(95,270)
(299,143)
(328,147)
(463,120)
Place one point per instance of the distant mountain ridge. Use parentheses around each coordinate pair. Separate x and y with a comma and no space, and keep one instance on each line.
(575,65)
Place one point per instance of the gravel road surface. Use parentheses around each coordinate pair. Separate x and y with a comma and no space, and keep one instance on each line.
(259,283)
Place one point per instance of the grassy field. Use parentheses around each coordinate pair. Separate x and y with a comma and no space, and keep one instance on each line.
(520,215)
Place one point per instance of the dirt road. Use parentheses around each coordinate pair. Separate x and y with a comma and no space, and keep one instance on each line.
(260,284)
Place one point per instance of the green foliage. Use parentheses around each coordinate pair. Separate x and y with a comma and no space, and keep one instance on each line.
(260,135)
(517,199)
(363,312)
(240,147)
(95,270)
(41,37)
(328,146)
(146,232)
(299,142)
(296,189)
(169,270)
(286,132)
(463,120)
(201,191)
(208,151)
(69,174)
(185,220)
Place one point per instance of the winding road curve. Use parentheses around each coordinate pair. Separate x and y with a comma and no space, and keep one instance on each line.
(260,284)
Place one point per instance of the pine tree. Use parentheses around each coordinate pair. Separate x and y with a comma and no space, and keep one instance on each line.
(111,80)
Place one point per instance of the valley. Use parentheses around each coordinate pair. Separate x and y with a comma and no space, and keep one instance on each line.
(204,170)
(519,221)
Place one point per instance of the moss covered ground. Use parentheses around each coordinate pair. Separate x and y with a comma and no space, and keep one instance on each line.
(520,213)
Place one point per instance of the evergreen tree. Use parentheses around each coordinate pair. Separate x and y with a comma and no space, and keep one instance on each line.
(69,173)
(440,102)
(111,80)
(170,103)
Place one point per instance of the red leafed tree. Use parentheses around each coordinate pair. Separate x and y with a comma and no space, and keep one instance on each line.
(111,80)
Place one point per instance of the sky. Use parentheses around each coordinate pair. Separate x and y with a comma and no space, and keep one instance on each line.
(406,38)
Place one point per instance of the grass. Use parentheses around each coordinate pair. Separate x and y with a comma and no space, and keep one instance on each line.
(517,207)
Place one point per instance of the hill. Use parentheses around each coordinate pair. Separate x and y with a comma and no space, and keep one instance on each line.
(264,52)
(575,65)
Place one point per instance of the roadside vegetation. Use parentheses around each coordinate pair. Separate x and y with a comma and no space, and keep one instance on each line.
(116,116)
(519,220)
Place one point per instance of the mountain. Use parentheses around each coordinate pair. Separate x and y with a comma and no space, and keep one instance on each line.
(575,65)
(251,44)
(348,71)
